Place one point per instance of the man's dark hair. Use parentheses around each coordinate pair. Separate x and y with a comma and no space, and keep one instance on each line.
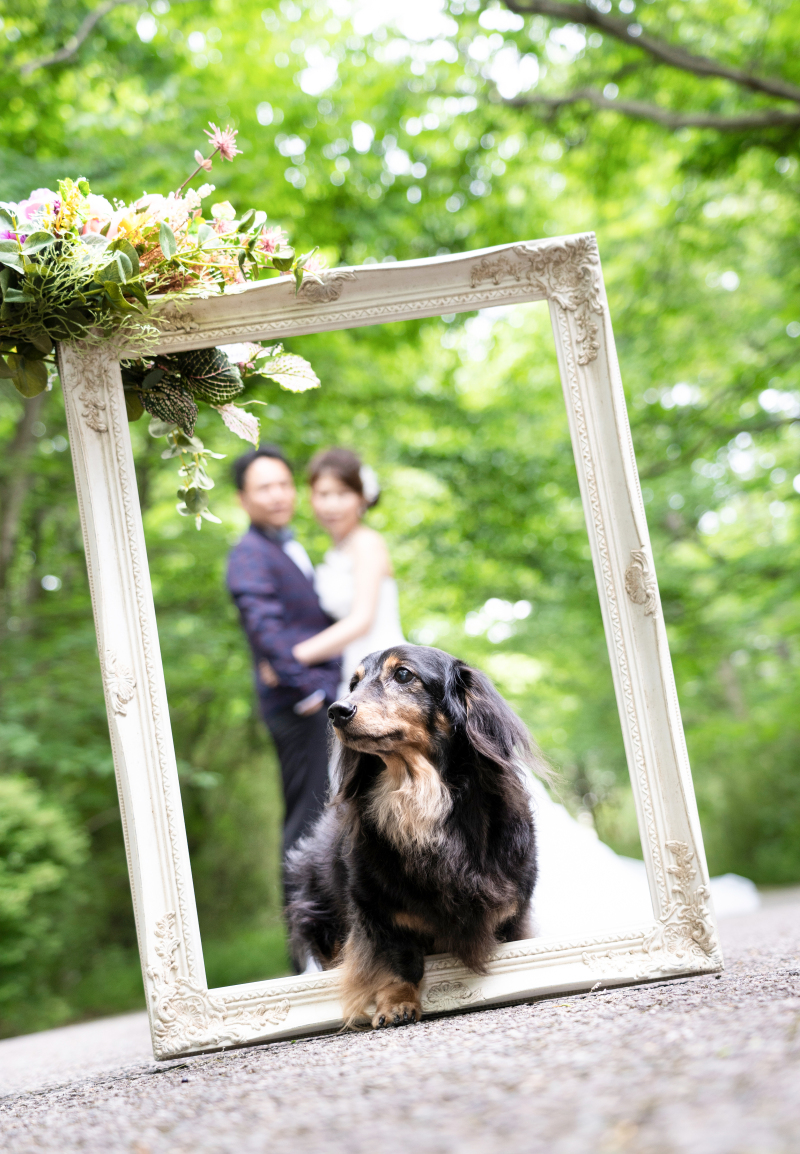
(243,463)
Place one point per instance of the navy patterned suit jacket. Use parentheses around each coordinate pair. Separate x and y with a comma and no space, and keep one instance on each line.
(278,607)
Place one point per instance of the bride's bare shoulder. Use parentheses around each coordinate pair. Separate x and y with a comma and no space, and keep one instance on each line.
(366,538)
(366,542)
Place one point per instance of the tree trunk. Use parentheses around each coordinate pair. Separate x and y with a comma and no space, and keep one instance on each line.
(15,484)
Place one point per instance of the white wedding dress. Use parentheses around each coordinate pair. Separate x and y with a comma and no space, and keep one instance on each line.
(336,589)
(583,886)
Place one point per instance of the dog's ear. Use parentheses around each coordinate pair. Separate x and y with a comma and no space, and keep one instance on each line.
(490,725)
(454,698)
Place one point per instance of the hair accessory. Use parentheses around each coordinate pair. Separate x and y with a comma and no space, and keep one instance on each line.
(369,484)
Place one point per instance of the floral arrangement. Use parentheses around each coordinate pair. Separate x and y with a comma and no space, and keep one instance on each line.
(74,267)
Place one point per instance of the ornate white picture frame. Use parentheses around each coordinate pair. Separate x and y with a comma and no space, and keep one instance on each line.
(185,1016)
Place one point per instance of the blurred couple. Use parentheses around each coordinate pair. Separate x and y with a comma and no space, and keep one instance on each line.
(309,630)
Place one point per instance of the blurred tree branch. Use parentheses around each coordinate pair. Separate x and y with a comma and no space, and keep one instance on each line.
(633,34)
(68,50)
(640,110)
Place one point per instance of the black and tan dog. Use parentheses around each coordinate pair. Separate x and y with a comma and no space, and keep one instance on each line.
(427,845)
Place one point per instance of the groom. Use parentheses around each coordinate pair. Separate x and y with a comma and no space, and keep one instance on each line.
(270,578)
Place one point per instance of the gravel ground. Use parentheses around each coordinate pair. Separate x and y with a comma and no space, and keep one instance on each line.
(701,1064)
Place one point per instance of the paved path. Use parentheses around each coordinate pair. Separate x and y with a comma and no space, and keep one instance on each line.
(706,1065)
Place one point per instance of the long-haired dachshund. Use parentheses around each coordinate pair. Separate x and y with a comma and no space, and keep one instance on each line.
(427,845)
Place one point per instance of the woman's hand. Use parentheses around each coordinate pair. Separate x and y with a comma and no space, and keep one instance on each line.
(304,651)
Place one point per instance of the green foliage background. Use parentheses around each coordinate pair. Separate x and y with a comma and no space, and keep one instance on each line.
(462,417)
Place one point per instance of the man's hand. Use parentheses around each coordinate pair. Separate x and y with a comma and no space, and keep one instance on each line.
(311,704)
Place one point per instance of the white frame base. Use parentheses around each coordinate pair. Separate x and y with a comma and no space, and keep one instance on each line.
(186,1017)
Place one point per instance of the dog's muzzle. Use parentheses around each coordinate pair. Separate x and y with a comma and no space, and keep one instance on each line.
(341,713)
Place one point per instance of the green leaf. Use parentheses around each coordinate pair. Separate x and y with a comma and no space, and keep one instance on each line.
(9,245)
(114,294)
(152,378)
(203,481)
(29,377)
(208,374)
(6,371)
(117,270)
(239,421)
(194,499)
(291,372)
(158,428)
(37,241)
(30,351)
(188,441)
(170,403)
(246,220)
(94,240)
(42,343)
(113,291)
(137,290)
(129,254)
(17,297)
(166,238)
(7,219)
(283,259)
(133,405)
(14,259)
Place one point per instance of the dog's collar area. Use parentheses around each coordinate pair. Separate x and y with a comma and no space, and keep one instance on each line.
(369,739)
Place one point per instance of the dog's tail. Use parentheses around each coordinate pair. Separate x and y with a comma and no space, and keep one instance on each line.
(315,928)
(313,931)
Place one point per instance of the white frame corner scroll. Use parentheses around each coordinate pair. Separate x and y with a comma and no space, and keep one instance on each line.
(185,1016)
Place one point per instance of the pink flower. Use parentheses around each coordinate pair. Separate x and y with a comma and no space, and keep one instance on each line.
(223,141)
(272,239)
(100,212)
(40,201)
(315,264)
(7,234)
(201,161)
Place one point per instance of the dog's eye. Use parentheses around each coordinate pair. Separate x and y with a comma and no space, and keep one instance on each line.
(403,675)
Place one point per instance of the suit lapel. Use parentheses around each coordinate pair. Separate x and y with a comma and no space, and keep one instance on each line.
(284,559)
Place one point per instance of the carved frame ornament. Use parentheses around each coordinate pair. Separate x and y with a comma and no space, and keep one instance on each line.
(186,1017)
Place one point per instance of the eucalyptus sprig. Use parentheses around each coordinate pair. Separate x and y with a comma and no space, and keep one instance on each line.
(196,483)
(169,387)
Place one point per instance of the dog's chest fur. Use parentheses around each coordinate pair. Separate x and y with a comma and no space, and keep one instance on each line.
(409,802)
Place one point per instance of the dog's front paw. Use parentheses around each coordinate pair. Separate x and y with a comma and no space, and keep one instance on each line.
(400,1014)
(397,1005)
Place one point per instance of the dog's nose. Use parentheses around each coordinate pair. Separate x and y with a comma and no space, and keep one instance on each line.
(340,712)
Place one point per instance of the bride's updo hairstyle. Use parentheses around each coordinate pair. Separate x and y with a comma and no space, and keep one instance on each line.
(346,466)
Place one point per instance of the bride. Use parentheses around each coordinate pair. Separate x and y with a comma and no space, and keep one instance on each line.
(583,885)
(355,583)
